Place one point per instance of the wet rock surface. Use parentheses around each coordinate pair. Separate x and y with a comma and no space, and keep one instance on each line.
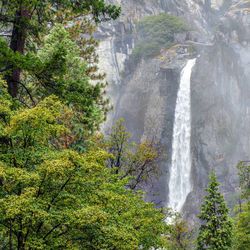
(145,93)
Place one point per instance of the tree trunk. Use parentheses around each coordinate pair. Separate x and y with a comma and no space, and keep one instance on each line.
(20,242)
(17,44)
(20,236)
(10,236)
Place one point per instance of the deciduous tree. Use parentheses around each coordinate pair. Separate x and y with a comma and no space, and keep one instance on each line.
(131,159)
(52,197)
(242,219)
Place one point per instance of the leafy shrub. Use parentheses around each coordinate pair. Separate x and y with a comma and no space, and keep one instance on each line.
(155,33)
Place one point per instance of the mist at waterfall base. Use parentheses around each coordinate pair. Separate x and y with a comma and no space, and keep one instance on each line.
(180,173)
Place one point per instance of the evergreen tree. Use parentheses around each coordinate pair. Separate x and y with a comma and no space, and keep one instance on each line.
(215,232)
(28,19)
(37,58)
(63,73)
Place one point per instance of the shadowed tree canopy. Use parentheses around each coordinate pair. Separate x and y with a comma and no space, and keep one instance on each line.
(39,57)
(25,20)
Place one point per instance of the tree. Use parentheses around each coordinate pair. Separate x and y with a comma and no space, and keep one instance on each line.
(131,159)
(179,234)
(52,197)
(77,26)
(216,229)
(63,72)
(244,176)
(27,19)
(242,228)
(242,225)
(58,68)
(32,73)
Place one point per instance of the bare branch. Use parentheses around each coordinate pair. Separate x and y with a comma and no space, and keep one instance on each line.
(28,92)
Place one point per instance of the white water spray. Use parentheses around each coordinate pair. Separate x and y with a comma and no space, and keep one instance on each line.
(180,174)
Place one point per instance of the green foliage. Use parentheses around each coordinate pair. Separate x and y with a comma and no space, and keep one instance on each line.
(216,229)
(64,74)
(156,33)
(130,159)
(56,198)
(53,196)
(244,175)
(9,57)
(58,68)
(242,225)
(180,234)
(44,11)
(28,21)
(242,228)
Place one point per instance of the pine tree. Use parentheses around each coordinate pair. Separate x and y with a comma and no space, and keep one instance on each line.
(27,20)
(215,232)
(38,57)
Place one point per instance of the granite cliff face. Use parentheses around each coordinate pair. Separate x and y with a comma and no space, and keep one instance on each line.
(145,93)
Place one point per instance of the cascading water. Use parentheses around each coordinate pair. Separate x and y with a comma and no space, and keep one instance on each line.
(180,173)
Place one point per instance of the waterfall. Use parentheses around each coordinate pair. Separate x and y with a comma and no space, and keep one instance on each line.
(180,173)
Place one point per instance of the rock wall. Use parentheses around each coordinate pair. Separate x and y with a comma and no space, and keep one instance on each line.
(145,94)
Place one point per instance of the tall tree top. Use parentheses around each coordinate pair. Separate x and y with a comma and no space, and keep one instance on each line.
(43,9)
(215,232)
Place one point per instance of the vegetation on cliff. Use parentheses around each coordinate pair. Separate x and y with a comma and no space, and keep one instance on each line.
(155,33)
